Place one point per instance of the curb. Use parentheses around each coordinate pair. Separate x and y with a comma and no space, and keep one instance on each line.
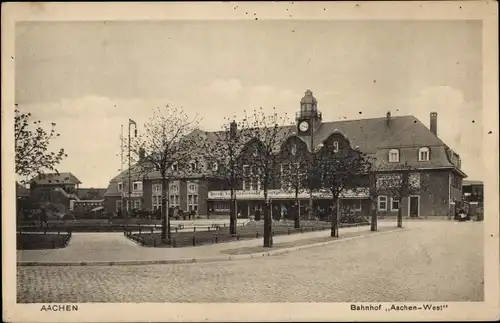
(201,260)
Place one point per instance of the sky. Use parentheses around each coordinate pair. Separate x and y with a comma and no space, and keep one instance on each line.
(91,77)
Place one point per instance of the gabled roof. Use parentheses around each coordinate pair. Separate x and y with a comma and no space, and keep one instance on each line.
(54,179)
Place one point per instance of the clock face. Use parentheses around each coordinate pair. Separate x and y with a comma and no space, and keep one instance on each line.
(303,126)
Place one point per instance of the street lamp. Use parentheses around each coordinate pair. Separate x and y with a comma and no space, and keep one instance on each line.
(129,200)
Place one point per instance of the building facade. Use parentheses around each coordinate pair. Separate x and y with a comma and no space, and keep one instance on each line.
(62,191)
(390,139)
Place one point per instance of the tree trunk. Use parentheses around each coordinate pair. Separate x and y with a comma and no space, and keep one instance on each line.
(400,216)
(232,213)
(374,224)
(296,217)
(268,223)
(335,218)
(165,217)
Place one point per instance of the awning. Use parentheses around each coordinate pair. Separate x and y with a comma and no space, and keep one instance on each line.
(99,208)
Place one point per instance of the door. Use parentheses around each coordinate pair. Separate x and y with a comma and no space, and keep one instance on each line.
(414,206)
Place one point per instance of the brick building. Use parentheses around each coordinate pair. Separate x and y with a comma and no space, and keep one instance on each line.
(62,190)
(391,139)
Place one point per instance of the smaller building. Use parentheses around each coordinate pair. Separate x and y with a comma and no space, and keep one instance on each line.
(473,196)
(52,187)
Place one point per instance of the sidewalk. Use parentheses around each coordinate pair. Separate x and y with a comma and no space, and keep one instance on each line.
(115,249)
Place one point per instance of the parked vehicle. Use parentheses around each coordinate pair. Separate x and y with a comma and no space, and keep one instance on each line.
(462,216)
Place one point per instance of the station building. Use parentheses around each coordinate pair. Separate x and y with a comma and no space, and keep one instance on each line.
(391,139)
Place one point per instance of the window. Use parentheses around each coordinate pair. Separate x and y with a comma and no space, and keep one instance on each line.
(290,175)
(193,188)
(382,203)
(251,178)
(246,175)
(156,189)
(174,187)
(156,202)
(137,204)
(174,200)
(423,154)
(394,204)
(222,207)
(118,205)
(120,187)
(394,156)
(137,186)
(192,202)
(293,149)
(215,166)
(335,146)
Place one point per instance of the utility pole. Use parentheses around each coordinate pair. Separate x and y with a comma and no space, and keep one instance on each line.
(129,200)
(121,167)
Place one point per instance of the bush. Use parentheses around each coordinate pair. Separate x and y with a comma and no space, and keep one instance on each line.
(352,218)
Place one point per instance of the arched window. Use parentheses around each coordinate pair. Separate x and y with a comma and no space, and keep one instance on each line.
(423,154)
(394,156)
(335,146)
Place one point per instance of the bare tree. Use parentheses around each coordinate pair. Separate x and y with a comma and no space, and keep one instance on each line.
(224,155)
(372,171)
(399,181)
(170,145)
(335,171)
(266,133)
(294,179)
(32,146)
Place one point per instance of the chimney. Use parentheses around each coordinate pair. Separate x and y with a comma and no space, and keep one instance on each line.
(388,118)
(233,127)
(433,123)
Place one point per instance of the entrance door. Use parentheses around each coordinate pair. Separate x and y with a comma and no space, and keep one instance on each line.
(414,206)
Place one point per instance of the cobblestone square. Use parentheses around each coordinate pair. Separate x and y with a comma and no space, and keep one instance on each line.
(427,261)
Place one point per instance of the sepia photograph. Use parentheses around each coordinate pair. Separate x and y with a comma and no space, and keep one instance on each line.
(271,153)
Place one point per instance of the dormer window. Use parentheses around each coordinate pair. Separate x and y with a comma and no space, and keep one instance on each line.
(335,146)
(393,156)
(423,154)
(215,166)
(175,167)
(120,187)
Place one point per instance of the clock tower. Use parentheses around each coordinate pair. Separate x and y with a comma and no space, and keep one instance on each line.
(308,118)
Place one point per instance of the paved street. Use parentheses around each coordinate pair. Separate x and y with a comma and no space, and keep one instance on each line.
(429,261)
